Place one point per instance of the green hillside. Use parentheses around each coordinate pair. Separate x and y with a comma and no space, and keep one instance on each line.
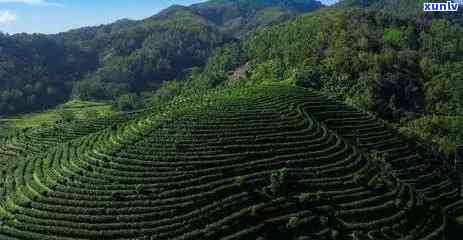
(236,119)
(264,162)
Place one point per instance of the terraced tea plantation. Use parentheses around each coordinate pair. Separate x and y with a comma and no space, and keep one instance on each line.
(270,162)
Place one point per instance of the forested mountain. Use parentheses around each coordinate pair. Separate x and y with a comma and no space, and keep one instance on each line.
(142,56)
(37,72)
(103,62)
(122,57)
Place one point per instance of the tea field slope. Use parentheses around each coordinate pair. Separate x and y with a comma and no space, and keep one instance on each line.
(268,162)
(34,141)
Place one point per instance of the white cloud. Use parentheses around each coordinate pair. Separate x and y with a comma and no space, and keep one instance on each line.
(31,2)
(7,17)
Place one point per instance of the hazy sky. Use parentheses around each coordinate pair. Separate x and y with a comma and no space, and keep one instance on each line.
(52,16)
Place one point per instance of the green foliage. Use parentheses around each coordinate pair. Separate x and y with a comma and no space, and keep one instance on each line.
(279,183)
(222,61)
(169,90)
(309,197)
(241,184)
(398,88)
(394,37)
(90,90)
(128,102)
(90,114)
(295,223)
(270,71)
(443,91)
(444,131)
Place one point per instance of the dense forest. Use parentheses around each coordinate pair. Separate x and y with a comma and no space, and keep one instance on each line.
(37,72)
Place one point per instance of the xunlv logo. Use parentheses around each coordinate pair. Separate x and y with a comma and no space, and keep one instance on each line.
(441,7)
